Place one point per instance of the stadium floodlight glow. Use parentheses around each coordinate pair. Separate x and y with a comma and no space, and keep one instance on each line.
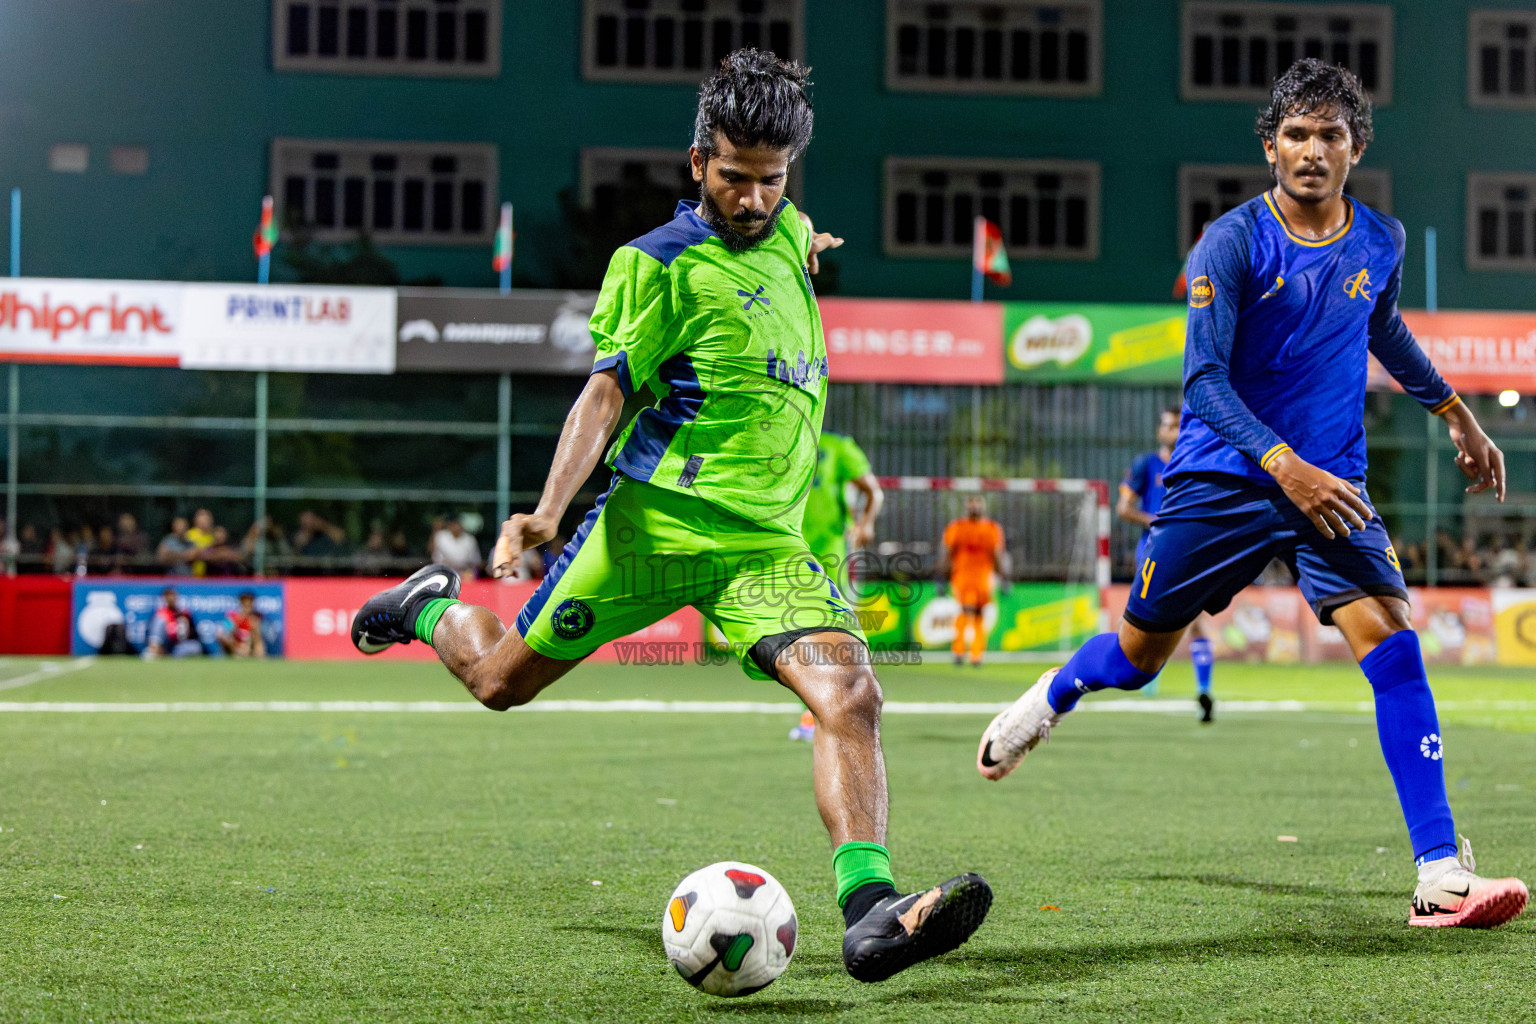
(1509,399)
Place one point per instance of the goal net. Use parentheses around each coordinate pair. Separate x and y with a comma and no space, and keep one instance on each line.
(1057,535)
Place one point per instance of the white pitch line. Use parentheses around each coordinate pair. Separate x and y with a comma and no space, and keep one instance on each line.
(1133,705)
(47,670)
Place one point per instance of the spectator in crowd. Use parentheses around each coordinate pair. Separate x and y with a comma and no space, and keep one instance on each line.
(454,547)
(171,631)
(10,547)
(32,547)
(1507,566)
(130,547)
(61,549)
(373,558)
(399,545)
(241,636)
(316,538)
(177,552)
(201,534)
(223,558)
(277,546)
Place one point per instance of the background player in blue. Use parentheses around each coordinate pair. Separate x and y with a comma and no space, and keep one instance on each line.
(1287,294)
(1141,496)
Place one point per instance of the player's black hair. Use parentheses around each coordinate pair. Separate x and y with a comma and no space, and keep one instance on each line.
(1173,410)
(1312,86)
(755,99)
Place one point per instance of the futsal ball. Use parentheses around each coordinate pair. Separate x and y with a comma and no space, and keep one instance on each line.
(729,929)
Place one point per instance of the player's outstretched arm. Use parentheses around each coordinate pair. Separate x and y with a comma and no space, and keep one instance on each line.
(821,241)
(1478,458)
(874,500)
(1128,507)
(587,428)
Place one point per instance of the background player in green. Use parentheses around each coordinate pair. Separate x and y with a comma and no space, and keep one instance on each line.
(828,526)
(714,311)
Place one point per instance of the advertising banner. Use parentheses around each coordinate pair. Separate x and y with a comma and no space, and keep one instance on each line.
(1515,622)
(913,342)
(1029,617)
(320,611)
(49,320)
(475,331)
(103,601)
(1477,353)
(314,328)
(1113,343)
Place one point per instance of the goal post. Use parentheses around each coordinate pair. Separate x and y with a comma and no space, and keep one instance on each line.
(1056,531)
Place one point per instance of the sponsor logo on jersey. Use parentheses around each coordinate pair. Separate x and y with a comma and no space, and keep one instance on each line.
(1357,286)
(1273,289)
(1201,292)
(1392,557)
(803,374)
(754,297)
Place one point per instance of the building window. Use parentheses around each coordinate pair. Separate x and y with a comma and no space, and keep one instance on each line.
(129,159)
(1501,221)
(995,46)
(1047,209)
(1206,191)
(397,193)
(682,40)
(69,157)
(1235,51)
(1501,59)
(429,38)
(610,176)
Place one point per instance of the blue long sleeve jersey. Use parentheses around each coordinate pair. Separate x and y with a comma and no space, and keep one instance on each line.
(1279,327)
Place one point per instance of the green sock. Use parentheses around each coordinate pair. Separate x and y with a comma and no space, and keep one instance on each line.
(426,619)
(857,864)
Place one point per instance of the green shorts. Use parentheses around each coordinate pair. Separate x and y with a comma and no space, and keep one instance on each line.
(644,552)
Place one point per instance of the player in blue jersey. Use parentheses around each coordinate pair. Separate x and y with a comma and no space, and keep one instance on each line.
(1141,496)
(1287,295)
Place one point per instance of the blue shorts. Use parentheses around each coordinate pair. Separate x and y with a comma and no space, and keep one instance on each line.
(1215,534)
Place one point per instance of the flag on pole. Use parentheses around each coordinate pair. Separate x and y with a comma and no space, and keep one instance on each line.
(266,233)
(989,258)
(501,259)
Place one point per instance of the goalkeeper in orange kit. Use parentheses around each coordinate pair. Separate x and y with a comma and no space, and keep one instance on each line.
(975,560)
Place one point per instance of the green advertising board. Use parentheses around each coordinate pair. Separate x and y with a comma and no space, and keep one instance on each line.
(1065,342)
(1029,617)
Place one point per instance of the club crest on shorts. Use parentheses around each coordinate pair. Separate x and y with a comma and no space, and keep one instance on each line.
(572,620)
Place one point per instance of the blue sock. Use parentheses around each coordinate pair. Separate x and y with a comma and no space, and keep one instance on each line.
(1200,654)
(1410,742)
(1098,665)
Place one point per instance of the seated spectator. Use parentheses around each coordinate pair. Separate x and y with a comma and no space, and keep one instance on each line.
(177,552)
(172,632)
(201,534)
(130,547)
(32,548)
(316,538)
(223,558)
(456,548)
(61,549)
(276,542)
(10,547)
(373,558)
(241,637)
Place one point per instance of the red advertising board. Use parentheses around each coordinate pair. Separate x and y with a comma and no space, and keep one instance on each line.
(319,617)
(1477,353)
(914,342)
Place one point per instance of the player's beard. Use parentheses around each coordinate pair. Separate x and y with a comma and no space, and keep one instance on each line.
(734,240)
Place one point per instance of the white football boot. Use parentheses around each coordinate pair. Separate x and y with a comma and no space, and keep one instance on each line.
(1018,730)
(1450,895)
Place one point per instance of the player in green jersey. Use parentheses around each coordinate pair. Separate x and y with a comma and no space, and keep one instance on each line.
(828,523)
(715,312)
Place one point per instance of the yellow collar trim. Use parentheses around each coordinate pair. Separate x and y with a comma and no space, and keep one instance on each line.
(1349,221)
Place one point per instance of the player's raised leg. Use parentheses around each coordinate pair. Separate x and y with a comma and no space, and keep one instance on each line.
(1127,660)
(887,931)
(1449,892)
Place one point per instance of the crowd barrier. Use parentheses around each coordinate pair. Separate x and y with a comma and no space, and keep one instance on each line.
(308,618)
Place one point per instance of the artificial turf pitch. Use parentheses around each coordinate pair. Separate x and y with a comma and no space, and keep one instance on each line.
(355,866)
